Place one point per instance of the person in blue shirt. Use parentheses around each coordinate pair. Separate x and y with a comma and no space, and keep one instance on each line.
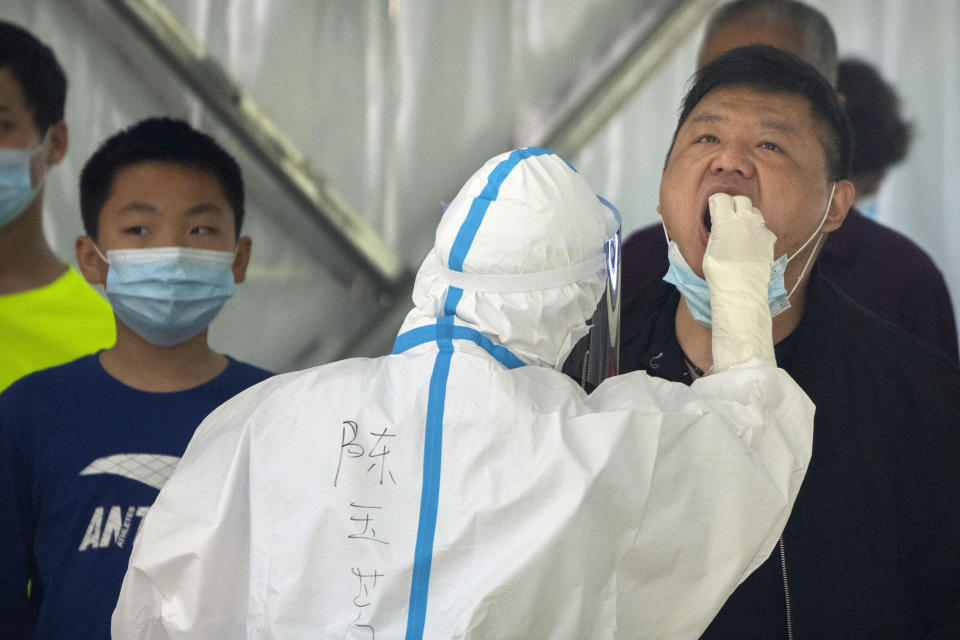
(86,446)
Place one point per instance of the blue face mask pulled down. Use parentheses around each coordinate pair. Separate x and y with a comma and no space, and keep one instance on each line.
(167,295)
(16,191)
(695,291)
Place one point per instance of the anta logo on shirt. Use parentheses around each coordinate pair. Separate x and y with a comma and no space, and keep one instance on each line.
(111,525)
(116,529)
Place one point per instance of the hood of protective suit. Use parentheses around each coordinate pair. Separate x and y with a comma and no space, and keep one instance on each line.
(518,256)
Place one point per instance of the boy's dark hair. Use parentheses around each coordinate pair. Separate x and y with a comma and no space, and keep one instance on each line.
(814,30)
(764,68)
(156,140)
(35,68)
(880,136)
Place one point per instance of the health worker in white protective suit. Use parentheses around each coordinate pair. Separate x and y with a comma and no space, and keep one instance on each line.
(462,487)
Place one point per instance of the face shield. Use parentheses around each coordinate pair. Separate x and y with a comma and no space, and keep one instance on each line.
(596,356)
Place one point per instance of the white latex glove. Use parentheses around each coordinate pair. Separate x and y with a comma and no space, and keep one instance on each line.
(736,266)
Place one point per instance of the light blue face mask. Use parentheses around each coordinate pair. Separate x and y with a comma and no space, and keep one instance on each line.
(695,291)
(16,191)
(168,295)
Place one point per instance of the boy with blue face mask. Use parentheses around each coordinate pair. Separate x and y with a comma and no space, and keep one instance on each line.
(85,447)
(48,314)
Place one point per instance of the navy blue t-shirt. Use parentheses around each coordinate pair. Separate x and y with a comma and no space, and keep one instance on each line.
(82,458)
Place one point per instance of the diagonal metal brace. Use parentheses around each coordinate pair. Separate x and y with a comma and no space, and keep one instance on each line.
(263,138)
(614,90)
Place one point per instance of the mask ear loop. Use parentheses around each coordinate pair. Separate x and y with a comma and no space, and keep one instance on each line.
(36,151)
(818,236)
(97,249)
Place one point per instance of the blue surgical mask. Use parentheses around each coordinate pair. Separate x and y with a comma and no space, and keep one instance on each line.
(167,295)
(16,191)
(695,291)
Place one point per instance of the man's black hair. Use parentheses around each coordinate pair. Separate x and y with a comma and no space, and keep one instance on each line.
(156,140)
(816,35)
(767,69)
(35,68)
(880,136)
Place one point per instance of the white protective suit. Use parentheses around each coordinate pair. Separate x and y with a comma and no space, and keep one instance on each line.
(450,491)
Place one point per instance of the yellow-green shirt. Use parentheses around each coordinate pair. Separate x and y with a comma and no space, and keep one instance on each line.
(51,325)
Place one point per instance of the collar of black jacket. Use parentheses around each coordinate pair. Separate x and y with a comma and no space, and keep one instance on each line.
(650,340)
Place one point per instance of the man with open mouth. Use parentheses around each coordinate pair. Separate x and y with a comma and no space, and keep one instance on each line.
(870,550)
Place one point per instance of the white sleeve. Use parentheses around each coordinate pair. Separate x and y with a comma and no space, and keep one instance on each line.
(188,570)
(731,453)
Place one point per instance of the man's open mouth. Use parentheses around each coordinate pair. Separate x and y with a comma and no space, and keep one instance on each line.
(706,218)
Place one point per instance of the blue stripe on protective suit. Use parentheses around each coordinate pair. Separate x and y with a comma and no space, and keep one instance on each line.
(430,491)
(444,333)
(609,205)
(422,335)
(468,230)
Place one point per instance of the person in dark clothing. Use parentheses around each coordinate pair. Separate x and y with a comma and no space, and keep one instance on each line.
(905,287)
(870,550)
(881,137)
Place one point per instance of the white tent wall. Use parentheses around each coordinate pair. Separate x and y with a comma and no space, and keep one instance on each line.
(398,102)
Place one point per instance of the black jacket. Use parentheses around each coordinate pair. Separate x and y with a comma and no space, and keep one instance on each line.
(872,548)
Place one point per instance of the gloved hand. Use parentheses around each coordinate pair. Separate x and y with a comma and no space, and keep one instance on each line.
(736,266)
